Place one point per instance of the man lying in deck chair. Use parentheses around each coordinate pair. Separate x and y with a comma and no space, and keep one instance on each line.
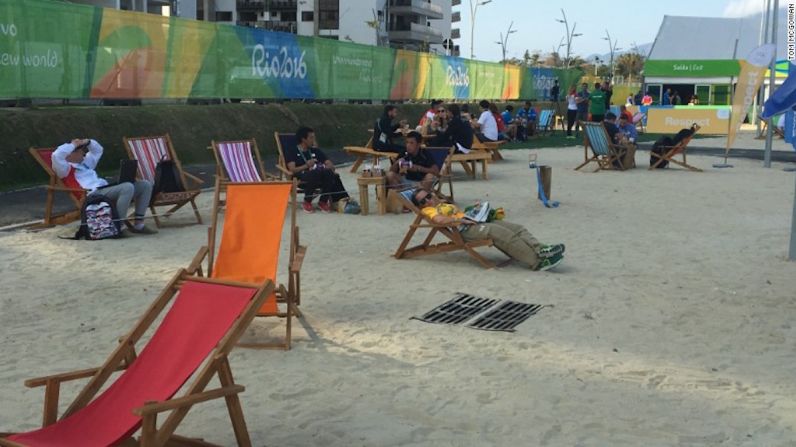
(82,156)
(512,239)
(413,166)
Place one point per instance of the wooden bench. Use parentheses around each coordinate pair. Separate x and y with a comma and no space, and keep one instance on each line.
(493,147)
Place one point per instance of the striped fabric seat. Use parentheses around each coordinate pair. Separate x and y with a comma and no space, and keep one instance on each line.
(598,139)
(238,160)
(149,151)
(545,118)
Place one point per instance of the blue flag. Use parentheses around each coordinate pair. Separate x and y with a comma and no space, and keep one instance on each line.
(783,98)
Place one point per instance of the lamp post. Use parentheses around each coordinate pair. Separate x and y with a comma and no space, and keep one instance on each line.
(569,36)
(473,10)
(503,42)
(596,64)
(611,46)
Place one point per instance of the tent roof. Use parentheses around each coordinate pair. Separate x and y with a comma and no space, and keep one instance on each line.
(709,38)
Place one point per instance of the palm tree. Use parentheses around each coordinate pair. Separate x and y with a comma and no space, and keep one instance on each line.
(630,64)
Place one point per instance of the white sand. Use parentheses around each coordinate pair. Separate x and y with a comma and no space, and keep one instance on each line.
(671,321)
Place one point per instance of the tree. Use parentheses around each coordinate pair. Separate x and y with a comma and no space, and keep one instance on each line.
(630,64)
(553,60)
(534,62)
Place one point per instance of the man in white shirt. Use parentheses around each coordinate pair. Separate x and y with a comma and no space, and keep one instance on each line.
(486,126)
(82,156)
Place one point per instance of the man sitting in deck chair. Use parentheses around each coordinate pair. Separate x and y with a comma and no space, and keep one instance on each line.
(512,239)
(314,170)
(413,166)
(82,156)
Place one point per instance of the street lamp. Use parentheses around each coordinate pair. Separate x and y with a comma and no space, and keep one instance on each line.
(473,10)
(503,42)
(611,46)
(596,64)
(570,35)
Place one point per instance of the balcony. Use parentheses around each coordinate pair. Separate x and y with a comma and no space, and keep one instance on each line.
(271,25)
(251,5)
(456,34)
(456,2)
(418,7)
(415,32)
(456,16)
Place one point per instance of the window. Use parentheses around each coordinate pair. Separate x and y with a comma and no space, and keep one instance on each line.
(721,95)
(223,16)
(307,16)
(288,16)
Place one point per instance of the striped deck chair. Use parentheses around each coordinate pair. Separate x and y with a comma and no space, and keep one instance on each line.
(440,156)
(679,148)
(239,161)
(68,184)
(205,319)
(546,123)
(249,247)
(606,154)
(149,151)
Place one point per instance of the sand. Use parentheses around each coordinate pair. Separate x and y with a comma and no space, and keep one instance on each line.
(670,323)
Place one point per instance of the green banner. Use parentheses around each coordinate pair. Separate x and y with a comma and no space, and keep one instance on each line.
(692,68)
(51,49)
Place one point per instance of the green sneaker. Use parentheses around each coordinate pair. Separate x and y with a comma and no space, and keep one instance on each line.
(548,263)
(547,251)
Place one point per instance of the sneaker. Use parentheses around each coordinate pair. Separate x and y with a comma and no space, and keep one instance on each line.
(549,263)
(325,207)
(307,207)
(547,251)
(142,230)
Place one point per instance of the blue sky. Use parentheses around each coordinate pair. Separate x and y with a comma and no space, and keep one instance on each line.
(537,29)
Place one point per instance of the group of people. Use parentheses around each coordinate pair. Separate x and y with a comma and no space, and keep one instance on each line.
(317,176)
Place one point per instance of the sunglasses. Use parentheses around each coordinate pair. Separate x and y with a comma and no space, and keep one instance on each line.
(424,199)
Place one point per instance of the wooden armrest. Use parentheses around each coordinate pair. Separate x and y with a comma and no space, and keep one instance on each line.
(284,171)
(173,404)
(298,258)
(194,178)
(65,377)
(196,263)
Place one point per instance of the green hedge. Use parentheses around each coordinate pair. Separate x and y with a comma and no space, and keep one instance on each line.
(191,128)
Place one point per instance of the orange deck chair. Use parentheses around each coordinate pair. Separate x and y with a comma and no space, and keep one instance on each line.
(249,248)
(149,151)
(68,184)
(205,320)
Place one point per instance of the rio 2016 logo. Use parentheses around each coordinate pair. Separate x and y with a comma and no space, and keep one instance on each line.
(458,77)
(278,66)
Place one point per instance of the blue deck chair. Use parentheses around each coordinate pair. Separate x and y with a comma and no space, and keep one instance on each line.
(546,123)
(604,153)
(440,156)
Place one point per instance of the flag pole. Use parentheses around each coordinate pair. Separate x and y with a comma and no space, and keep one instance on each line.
(771,85)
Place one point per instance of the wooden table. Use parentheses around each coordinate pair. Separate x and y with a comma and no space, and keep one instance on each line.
(381,193)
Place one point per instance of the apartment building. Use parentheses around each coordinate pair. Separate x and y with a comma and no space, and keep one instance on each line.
(420,25)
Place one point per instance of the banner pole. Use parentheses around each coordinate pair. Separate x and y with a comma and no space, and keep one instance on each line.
(771,85)
(792,251)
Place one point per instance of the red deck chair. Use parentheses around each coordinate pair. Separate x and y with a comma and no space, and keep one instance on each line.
(239,161)
(149,151)
(68,184)
(205,320)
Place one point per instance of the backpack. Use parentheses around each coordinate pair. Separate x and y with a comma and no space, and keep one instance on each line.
(98,219)
(659,148)
(167,179)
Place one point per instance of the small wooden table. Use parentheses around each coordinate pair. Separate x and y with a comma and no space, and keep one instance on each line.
(381,193)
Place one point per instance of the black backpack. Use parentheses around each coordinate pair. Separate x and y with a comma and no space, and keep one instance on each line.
(98,219)
(660,147)
(167,178)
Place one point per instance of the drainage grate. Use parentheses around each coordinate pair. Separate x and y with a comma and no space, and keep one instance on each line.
(458,310)
(505,316)
(481,313)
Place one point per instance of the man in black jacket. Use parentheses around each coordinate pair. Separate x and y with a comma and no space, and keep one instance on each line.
(385,130)
(458,133)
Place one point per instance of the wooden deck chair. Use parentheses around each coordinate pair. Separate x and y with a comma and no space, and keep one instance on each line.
(248,251)
(440,157)
(149,151)
(546,123)
(286,140)
(778,131)
(455,241)
(363,153)
(205,320)
(606,154)
(678,149)
(639,119)
(239,161)
(68,184)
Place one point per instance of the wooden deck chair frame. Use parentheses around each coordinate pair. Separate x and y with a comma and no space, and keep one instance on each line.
(284,172)
(445,176)
(449,231)
(363,153)
(174,199)
(638,121)
(546,122)
(290,295)
(54,185)
(777,131)
(604,160)
(125,354)
(222,169)
(678,149)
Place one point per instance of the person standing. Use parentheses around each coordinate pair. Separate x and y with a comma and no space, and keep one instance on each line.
(667,95)
(608,90)
(597,103)
(81,156)
(555,92)
(582,100)
(572,111)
